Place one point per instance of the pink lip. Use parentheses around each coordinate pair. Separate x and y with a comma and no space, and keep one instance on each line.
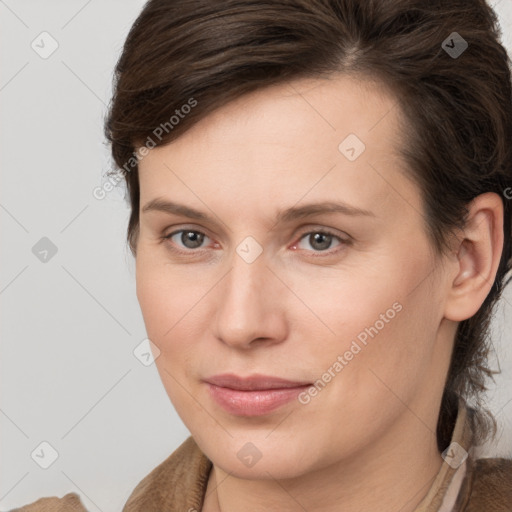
(255,395)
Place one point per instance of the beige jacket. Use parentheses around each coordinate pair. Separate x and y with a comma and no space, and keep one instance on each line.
(178,484)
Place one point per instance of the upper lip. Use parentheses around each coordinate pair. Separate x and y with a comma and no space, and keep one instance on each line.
(253,382)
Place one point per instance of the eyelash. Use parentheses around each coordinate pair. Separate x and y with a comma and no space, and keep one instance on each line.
(327,252)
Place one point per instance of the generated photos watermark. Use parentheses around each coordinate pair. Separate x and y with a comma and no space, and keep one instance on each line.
(355,348)
(100,192)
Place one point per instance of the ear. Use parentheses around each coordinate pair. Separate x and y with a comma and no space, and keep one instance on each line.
(478,252)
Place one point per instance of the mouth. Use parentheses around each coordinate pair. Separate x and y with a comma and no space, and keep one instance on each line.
(255,395)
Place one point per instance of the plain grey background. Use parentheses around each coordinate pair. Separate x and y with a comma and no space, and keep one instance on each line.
(71,321)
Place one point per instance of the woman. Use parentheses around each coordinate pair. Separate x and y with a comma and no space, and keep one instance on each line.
(321,226)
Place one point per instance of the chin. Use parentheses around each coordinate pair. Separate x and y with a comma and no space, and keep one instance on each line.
(251,456)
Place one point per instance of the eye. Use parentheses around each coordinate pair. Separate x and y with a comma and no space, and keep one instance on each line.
(189,238)
(187,241)
(320,240)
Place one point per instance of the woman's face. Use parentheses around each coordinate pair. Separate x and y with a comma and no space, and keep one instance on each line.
(253,288)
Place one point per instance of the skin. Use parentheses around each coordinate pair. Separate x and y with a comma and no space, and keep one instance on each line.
(367,440)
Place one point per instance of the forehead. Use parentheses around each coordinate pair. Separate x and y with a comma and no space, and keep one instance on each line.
(301,111)
(308,136)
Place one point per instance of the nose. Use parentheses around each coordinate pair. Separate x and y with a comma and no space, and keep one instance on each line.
(251,305)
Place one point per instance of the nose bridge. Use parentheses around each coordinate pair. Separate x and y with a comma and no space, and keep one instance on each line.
(244,310)
(244,285)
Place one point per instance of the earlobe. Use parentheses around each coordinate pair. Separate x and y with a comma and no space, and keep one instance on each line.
(477,259)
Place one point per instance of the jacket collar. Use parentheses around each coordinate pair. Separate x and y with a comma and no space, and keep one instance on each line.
(445,489)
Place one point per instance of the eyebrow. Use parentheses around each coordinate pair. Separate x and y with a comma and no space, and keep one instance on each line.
(283,216)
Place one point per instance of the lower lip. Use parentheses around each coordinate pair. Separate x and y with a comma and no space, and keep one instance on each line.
(253,403)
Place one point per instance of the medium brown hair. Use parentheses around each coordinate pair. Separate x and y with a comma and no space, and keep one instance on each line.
(202,54)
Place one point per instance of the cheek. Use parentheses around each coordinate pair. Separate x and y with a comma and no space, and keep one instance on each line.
(165,300)
(161,297)
(346,306)
(172,303)
(380,320)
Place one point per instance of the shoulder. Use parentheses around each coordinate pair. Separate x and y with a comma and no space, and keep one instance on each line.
(491,488)
(68,503)
(173,484)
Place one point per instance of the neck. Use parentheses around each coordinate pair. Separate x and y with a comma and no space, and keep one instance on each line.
(393,474)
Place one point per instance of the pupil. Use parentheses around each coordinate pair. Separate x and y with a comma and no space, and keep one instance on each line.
(318,237)
(191,236)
